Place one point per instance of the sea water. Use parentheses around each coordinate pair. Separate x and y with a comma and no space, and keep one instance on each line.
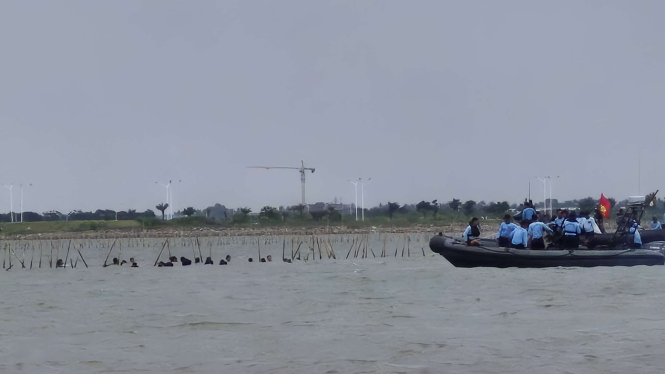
(414,314)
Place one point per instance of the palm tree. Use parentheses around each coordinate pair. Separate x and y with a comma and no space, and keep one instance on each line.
(162,208)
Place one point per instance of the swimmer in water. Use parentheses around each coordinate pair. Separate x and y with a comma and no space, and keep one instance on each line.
(59,264)
(269,258)
(263,260)
(134,264)
(165,264)
(173,259)
(228,258)
(287,260)
(185,261)
(222,262)
(197,260)
(250,260)
(209,261)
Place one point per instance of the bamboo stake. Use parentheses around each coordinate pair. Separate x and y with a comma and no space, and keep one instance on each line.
(107,256)
(352,244)
(67,256)
(259,244)
(84,263)
(198,243)
(283,248)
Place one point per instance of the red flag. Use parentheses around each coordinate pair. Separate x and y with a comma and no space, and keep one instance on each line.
(604,206)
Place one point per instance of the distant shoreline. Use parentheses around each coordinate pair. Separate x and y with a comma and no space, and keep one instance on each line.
(133,229)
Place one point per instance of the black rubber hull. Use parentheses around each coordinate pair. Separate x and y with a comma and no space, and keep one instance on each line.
(487,256)
(647,236)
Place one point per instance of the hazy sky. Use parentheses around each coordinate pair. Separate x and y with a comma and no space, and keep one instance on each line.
(431,99)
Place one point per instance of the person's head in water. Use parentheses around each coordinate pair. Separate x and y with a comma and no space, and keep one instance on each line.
(132,260)
(173,259)
(123,262)
(250,260)
(197,260)
(59,263)
(115,261)
(228,258)
(208,261)
(507,218)
(263,260)
(269,258)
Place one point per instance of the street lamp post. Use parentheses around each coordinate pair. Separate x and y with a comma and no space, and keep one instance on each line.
(355,186)
(168,195)
(544,180)
(362,196)
(11,202)
(22,200)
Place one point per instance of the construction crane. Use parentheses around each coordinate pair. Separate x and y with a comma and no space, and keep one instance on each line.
(302,170)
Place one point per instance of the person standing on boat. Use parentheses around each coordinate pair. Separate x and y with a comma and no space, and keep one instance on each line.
(505,230)
(472,233)
(520,236)
(536,233)
(655,225)
(598,216)
(587,223)
(571,232)
(558,221)
(637,238)
(529,214)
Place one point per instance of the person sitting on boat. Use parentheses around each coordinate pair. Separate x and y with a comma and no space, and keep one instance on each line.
(637,238)
(655,225)
(472,233)
(536,233)
(505,230)
(520,236)
(571,232)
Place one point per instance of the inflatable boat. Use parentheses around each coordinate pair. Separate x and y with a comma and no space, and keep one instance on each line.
(489,254)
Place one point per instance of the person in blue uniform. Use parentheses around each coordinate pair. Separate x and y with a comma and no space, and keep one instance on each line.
(536,233)
(558,220)
(505,231)
(472,233)
(571,232)
(637,238)
(655,225)
(528,214)
(520,236)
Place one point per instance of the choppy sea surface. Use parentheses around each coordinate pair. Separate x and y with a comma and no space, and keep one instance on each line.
(415,314)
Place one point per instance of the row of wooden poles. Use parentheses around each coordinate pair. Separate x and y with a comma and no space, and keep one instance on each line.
(302,247)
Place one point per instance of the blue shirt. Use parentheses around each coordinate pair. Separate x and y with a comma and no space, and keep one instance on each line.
(528,213)
(467,234)
(656,225)
(638,237)
(536,230)
(571,228)
(505,229)
(519,236)
(559,221)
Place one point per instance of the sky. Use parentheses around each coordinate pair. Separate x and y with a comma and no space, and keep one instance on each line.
(431,99)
